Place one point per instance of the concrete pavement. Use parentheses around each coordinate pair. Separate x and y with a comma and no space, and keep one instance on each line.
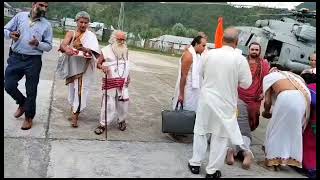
(53,149)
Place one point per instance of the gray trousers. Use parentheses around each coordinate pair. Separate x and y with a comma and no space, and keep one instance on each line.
(243,121)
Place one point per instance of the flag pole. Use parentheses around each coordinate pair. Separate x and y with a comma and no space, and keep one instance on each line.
(105,106)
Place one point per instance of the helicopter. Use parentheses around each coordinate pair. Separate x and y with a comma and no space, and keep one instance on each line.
(285,43)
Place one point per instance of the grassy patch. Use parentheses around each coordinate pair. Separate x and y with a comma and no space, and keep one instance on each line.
(6,20)
(58,33)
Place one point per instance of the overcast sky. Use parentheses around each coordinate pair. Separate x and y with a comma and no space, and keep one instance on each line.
(289,5)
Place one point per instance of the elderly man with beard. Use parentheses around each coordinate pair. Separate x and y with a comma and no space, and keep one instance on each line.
(253,95)
(114,62)
(31,34)
(81,47)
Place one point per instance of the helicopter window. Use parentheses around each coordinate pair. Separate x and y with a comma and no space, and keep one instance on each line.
(301,56)
(244,37)
(273,50)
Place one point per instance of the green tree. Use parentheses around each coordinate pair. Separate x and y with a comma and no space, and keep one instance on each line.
(146,34)
(155,32)
(191,33)
(179,30)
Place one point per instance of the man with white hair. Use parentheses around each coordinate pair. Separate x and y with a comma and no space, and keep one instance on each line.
(82,47)
(113,61)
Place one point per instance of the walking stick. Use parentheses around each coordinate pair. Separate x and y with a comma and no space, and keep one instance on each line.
(105,106)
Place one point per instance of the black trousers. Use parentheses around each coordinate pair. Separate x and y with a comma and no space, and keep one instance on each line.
(18,66)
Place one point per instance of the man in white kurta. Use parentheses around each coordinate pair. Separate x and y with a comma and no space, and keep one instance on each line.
(114,62)
(223,71)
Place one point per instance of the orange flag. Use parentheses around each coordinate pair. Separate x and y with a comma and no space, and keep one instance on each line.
(219,34)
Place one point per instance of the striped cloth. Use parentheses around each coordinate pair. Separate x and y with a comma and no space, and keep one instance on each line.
(112,83)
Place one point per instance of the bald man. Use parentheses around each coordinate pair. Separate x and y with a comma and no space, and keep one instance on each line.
(223,71)
(114,62)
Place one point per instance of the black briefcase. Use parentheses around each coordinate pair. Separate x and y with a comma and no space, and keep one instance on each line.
(178,121)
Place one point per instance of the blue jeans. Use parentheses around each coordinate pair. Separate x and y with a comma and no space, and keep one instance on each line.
(18,66)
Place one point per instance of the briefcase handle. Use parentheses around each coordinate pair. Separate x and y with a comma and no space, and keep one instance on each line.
(181,106)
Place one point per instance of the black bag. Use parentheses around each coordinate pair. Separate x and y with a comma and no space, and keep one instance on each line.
(178,121)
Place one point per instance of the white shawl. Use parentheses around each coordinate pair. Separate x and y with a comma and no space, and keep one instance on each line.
(195,68)
(89,40)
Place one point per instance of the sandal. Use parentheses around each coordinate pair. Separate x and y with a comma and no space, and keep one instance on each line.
(99,130)
(270,168)
(122,125)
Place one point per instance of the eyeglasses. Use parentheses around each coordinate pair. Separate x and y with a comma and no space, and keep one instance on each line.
(313,60)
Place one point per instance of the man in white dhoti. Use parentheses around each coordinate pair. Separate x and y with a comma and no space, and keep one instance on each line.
(82,48)
(114,62)
(290,98)
(223,71)
(187,88)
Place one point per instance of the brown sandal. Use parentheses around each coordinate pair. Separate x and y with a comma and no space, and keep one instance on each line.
(270,168)
(122,125)
(99,130)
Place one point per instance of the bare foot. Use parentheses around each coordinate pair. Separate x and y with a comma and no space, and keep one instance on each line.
(247,161)
(230,156)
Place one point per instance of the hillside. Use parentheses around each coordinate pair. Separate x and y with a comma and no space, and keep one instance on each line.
(152,19)
(310,5)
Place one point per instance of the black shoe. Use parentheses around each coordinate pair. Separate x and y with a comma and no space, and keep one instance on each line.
(194,169)
(217,174)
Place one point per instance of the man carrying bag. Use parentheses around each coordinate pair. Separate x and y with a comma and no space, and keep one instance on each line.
(187,88)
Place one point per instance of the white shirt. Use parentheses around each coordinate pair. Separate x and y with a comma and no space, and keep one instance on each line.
(223,70)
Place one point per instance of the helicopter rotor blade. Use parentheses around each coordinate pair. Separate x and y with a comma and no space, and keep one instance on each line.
(196,3)
(303,12)
(269,15)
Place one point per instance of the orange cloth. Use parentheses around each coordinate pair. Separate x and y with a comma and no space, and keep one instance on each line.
(219,34)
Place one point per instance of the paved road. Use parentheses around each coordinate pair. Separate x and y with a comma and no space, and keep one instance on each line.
(53,149)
